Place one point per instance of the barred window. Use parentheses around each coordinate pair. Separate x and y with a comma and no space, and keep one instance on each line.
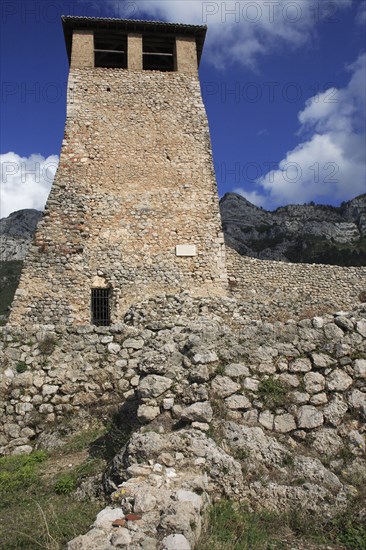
(110,49)
(158,53)
(100,307)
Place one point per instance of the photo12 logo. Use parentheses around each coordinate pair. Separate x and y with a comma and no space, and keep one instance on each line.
(292,172)
(38,172)
(270,11)
(267,92)
(33,92)
(29,11)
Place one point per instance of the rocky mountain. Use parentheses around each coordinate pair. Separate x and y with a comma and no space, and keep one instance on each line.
(16,232)
(297,233)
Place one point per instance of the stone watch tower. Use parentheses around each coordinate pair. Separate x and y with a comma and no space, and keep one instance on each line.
(133,210)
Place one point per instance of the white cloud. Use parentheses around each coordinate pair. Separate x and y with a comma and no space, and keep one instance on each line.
(25,181)
(361,13)
(330,163)
(251,196)
(242,30)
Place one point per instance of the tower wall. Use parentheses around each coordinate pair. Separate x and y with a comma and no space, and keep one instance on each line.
(135,52)
(82,49)
(135,180)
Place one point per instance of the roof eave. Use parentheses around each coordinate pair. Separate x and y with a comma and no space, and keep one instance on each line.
(132,25)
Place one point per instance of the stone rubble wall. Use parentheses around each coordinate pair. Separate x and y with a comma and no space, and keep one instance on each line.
(135,180)
(53,372)
(272,414)
(295,287)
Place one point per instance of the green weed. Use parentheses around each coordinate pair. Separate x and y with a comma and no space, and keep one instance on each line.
(17,473)
(48,344)
(37,504)
(233,527)
(272,392)
(65,485)
(220,370)
(21,367)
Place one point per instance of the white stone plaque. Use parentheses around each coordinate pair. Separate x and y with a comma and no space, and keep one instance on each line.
(186,250)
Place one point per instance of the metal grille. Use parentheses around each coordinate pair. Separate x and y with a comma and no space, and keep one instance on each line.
(110,49)
(158,53)
(100,306)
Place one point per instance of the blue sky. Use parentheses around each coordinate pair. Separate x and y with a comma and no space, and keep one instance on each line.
(283,83)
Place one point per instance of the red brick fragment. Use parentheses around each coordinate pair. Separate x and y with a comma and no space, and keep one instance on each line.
(133,517)
(119,523)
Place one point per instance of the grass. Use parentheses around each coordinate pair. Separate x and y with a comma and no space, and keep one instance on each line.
(18,473)
(38,508)
(80,441)
(272,392)
(233,527)
(48,344)
(21,367)
(219,408)
(220,370)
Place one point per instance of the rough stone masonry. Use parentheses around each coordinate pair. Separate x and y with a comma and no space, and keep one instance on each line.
(227,404)
(134,205)
(268,414)
(134,208)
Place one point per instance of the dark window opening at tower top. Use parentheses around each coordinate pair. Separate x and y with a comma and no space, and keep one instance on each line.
(159,53)
(100,307)
(110,49)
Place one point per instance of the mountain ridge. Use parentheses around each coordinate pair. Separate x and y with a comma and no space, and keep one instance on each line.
(247,228)
(16,233)
(307,233)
